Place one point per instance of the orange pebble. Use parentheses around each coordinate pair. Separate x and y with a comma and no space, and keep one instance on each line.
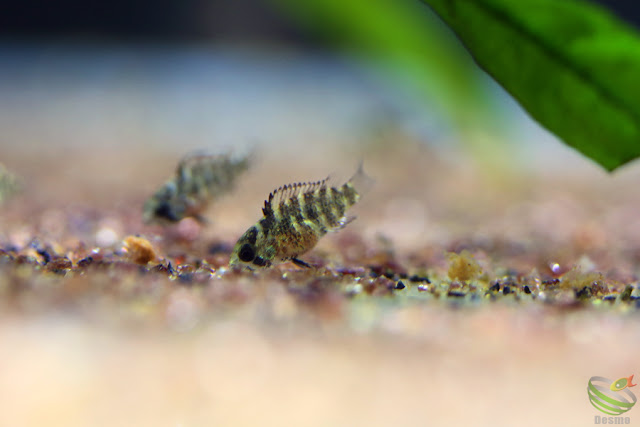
(463,266)
(139,249)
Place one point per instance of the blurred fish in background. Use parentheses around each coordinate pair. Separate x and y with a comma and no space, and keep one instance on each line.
(200,178)
(9,184)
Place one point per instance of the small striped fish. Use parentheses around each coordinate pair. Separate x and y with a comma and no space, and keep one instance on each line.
(9,184)
(199,179)
(295,217)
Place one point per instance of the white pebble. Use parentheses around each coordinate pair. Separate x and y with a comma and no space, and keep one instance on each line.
(106,237)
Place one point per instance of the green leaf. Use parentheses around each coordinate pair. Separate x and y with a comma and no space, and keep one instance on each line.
(572,65)
(405,39)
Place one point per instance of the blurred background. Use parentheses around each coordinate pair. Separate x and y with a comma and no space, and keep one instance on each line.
(183,75)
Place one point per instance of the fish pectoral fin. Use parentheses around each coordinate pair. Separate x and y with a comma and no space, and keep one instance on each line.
(300,263)
(343,223)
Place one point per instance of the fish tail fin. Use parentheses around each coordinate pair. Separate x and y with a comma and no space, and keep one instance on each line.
(245,160)
(246,157)
(362,182)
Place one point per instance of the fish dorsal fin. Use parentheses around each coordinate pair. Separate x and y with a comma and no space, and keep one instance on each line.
(223,166)
(197,156)
(191,160)
(286,192)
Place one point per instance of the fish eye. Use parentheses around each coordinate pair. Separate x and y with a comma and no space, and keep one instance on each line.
(164,211)
(246,253)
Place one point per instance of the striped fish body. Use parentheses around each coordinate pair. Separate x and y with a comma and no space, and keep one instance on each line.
(9,184)
(295,217)
(199,180)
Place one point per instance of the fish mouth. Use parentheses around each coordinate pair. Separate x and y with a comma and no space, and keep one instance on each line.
(238,266)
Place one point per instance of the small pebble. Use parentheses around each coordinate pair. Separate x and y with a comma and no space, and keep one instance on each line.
(416,278)
(400,285)
(106,236)
(59,265)
(455,294)
(389,274)
(84,262)
(139,250)
(584,293)
(159,268)
(354,289)
(526,289)
(45,255)
(626,294)
(189,229)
